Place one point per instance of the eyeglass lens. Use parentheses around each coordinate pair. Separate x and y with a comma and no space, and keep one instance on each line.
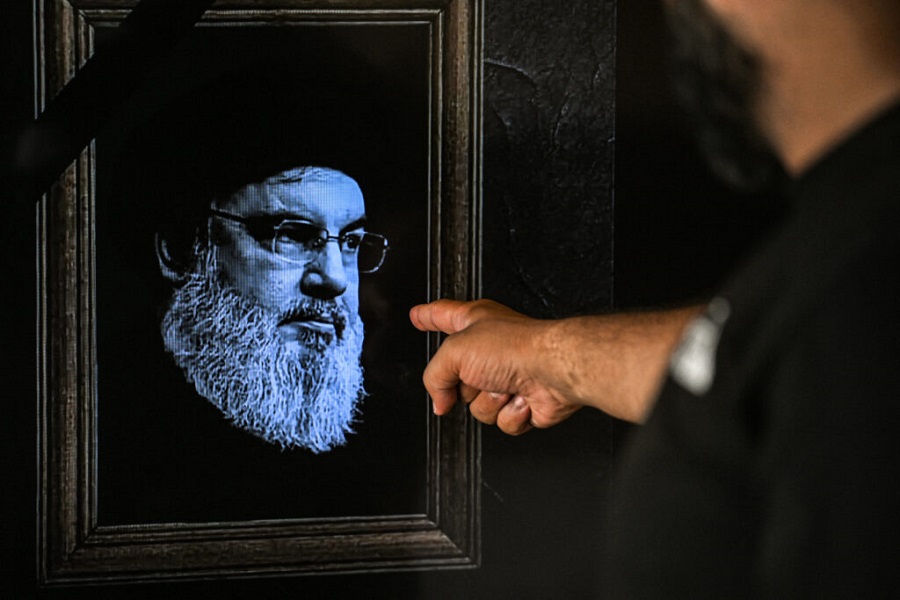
(295,240)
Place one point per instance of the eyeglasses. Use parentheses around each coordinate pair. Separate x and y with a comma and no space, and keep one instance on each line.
(294,240)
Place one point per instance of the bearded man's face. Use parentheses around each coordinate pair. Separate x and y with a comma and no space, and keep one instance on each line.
(718,82)
(266,326)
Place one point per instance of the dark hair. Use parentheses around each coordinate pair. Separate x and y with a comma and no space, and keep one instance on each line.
(717,82)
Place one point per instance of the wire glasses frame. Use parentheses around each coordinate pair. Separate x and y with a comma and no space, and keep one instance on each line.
(293,240)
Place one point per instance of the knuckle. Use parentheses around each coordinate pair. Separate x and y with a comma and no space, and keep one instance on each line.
(541,420)
(478,309)
(514,428)
(486,417)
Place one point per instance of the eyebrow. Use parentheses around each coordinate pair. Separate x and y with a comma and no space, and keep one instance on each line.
(360,222)
(285,216)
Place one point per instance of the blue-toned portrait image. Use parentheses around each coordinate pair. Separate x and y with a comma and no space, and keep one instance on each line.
(265,323)
(263,224)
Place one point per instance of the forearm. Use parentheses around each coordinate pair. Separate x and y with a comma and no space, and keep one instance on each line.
(614,363)
(518,372)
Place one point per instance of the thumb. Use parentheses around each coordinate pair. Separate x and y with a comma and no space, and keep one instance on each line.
(447,316)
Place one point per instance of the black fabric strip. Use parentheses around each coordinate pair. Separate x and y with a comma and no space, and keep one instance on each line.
(50,143)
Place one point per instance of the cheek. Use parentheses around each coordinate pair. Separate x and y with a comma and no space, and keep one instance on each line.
(351,296)
(251,272)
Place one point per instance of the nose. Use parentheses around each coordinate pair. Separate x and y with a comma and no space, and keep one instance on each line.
(325,276)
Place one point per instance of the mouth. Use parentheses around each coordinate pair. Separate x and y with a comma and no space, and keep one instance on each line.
(324,320)
(316,325)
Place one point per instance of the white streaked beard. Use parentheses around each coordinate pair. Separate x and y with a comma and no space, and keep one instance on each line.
(229,348)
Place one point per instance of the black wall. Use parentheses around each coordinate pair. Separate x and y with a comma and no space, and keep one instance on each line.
(557,241)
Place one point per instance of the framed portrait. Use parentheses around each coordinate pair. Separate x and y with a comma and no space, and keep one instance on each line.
(228,381)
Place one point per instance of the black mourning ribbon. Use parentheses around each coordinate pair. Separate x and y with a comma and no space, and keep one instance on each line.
(101,87)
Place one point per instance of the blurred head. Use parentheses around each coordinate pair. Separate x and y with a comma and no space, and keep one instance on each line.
(265,320)
(786,77)
(717,81)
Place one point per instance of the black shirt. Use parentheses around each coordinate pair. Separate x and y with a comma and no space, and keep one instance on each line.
(771,463)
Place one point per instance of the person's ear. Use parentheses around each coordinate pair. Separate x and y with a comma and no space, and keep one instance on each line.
(171,268)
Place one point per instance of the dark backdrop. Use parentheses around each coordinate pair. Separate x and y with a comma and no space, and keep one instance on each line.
(556,241)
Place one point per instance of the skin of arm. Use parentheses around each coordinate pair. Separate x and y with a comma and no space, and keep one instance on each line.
(518,372)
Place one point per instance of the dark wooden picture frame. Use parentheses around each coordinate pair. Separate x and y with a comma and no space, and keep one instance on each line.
(76,543)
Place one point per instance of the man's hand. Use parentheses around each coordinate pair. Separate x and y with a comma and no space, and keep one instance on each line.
(518,372)
(492,361)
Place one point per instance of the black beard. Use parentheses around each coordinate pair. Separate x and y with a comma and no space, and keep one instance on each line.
(717,82)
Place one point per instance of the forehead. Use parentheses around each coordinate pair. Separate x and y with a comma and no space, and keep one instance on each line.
(323,196)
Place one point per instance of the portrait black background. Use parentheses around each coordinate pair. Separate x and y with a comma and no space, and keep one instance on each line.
(228,106)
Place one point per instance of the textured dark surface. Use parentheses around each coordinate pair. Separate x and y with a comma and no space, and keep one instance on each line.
(549,122)
(549,139)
